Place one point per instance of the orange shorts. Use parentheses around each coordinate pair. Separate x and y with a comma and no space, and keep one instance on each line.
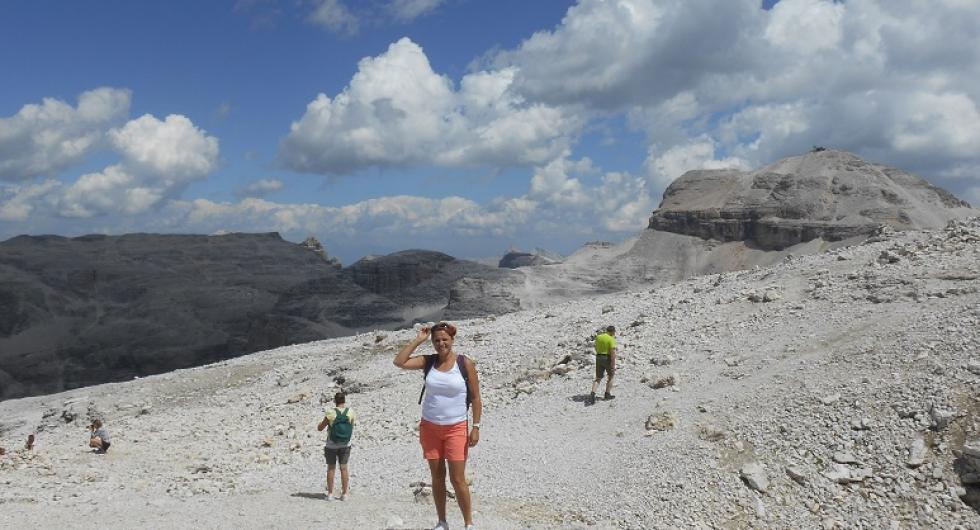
(444,442)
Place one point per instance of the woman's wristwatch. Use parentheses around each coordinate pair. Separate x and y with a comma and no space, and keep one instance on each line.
(476,425)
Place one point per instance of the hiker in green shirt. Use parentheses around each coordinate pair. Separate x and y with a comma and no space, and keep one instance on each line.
(340,421)
(605,362)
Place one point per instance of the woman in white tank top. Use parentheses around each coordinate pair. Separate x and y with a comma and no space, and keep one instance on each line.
(444,432)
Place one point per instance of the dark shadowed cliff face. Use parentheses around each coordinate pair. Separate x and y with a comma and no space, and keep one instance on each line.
(82,311)
(399,271)
(832,195)
(436,284)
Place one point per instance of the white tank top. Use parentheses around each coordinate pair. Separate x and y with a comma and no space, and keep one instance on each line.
(445,397)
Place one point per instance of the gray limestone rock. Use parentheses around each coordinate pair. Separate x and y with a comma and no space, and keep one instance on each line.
(796,473)
(754,476)
(844,474)
(831,195)
(917,453)
(516,258)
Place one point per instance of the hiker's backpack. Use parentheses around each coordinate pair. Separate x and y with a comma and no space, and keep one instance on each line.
(341,428)
(430,361)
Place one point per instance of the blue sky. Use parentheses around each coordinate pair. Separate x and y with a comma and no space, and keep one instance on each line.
(457,125)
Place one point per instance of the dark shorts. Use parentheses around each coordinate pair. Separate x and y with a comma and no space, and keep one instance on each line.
(602,366)
(333,455)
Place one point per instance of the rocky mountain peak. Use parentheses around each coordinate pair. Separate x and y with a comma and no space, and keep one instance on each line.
(828,194)
(314,245)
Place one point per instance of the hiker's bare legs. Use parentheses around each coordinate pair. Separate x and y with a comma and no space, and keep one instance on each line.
(95,441)
(457,475)
(595,384)
(608,384)
(330,475)
(344,479)
(438,470)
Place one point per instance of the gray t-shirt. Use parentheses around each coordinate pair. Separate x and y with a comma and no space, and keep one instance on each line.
(101,433)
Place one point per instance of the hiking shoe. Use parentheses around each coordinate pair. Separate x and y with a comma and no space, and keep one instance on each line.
(329,497)
(342,497)
(443,525)
(607,395)
(591,400)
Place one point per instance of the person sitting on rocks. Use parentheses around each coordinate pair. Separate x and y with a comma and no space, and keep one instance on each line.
(605,361)
(99,437)
(451,385)
(340,420)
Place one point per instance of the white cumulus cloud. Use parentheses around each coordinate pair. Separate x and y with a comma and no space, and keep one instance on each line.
(397,112)
(173,149)
(44,138)
(158,159)
(896,81)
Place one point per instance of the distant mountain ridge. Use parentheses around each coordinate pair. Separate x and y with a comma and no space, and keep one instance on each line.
(91,309)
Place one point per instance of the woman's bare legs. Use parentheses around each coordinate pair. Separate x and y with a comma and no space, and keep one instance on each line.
(331,470)
(438,470)
(457,475)
(344,479)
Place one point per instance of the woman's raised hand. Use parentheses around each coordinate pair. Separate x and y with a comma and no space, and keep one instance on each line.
(423,334)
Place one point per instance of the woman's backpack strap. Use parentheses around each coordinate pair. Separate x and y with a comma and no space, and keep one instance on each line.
(430,361)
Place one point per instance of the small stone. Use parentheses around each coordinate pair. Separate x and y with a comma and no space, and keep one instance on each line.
(607,309)
(843,474)
(662,360)
(973,367)
(754,476)
(845,458)
(710,433)
(917,453)
(771,295)
(862,424)
(831,399)
(940,418)
(797,474)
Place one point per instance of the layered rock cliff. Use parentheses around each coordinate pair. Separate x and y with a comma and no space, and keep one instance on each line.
(434,285)
(825,194)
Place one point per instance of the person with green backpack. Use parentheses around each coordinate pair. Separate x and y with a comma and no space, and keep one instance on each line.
(340,420)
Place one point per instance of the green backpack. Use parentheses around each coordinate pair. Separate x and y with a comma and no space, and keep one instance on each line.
(341,428)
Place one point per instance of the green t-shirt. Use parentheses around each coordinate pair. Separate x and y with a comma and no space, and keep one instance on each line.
(604,344)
